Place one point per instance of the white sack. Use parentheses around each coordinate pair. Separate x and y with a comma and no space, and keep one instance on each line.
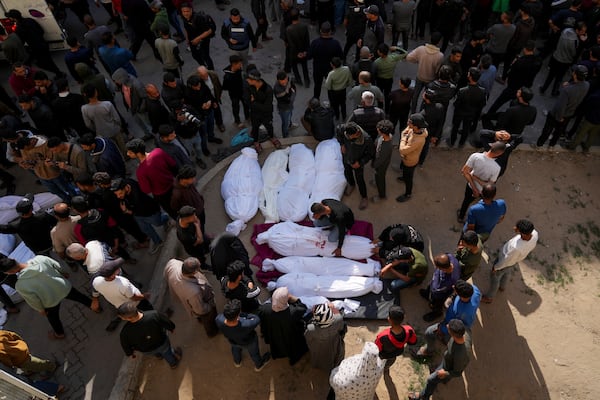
(290,239)
(336,287)
(323,266)
(292,201)
(274,174)
(8,242)
(330,181)
(22,254)
(241,186)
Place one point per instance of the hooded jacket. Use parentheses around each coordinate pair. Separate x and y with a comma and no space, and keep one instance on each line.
(41,283)
(88,76)
(107,158)
(566,49)
(429,58)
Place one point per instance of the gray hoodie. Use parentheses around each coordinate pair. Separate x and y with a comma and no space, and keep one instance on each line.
(566,49)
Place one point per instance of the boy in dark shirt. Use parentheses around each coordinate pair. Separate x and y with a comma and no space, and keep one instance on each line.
(239,329)
(146,332)
(391,341)
(383,155)
(238,286)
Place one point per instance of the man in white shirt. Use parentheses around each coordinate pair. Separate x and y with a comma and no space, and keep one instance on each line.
(479,170)
(117,289)
(513,252)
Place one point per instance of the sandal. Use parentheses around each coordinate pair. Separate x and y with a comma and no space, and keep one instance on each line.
(276,143)
(257,147)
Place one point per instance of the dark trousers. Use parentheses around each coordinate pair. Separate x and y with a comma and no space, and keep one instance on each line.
(497,58)
(351,41)
(262,26)
(467,200)
(9,280)
(424,152)
(235,108)
(304,64)
(507,95)
(380,180)
(129,225)
(408,175)
(356,176)
(117,19)
(208,321)
(552,127)
(337,100)
(466,122)
(218,115)
(556,73)
(43,59)
(139,37)
(386,87)
(165,202)
(419,86)
(509,56)
(53,313)
(318,78)
(396,35)
(257,121)
(201,54)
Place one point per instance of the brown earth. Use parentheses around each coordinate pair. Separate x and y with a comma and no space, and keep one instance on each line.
(536,341)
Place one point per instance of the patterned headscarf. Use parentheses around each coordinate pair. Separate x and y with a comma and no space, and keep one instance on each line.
(323,315)
(279,301)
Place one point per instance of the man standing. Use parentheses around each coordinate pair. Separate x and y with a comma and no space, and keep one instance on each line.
(357,150)
(261,109)
(469,102)
(200,28)
(517,116)
(155,173)
(338,80)
(239,329)
(43,285)
(412,141)
(193,290)
(134,99)
(446,274)
(238,34)
(430,58)
(185,193)
(374,32)
(322,50)
(146,332)
(456,358)
(571,95)
(483,216)
(191,235)
(480,169)
(355,22)
(513,252)
(233,82)
(336,215)
(367,115)
(285,93)
(469,254)
(211,80)
(63,234)
(297,41)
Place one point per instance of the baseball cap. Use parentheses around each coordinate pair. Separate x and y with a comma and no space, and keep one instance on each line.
(418,120)
(25,204)
(372,9)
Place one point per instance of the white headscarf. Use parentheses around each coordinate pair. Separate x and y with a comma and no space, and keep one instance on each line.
(279,301)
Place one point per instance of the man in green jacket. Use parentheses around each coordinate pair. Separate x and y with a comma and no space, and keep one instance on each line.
(43,285)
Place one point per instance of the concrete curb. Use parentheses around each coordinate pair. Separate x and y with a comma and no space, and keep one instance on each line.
(126,385)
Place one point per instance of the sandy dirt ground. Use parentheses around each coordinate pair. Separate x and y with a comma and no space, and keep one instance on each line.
(536,341)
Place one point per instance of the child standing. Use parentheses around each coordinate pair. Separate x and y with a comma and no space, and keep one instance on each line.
(391,341)
(285,93)
(168,51)
(383,155)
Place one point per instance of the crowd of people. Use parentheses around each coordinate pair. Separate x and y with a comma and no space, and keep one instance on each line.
(79,147)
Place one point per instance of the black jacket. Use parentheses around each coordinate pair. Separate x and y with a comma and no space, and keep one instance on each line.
(262,105)
(469,102)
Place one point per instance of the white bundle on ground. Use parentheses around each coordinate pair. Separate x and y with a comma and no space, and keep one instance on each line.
(241,186)
(274,174)
(7,243)
(290,239)
(41,201)
(292,202)
(22,253)
(329,181)
(323,266)
(337,287)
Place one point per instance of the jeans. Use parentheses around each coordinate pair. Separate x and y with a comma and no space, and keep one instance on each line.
(253,350)
(146,224)
(304,64)
(53,313)
(498,279)
(432,381)
(286,120)
(334,232)
(193,145)
(259,120)
(60,187)
(398,284)
(235,108)
(201,54)
(166,351)
(556,73)
(431,335)
(396,35)
(209,124)
(174,21)
(356,176)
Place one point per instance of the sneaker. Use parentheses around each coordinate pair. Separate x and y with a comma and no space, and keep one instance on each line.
(155,247)
(294,126)
(349,190)
(403,198)
(237,365)
(266,358)
(364,202)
